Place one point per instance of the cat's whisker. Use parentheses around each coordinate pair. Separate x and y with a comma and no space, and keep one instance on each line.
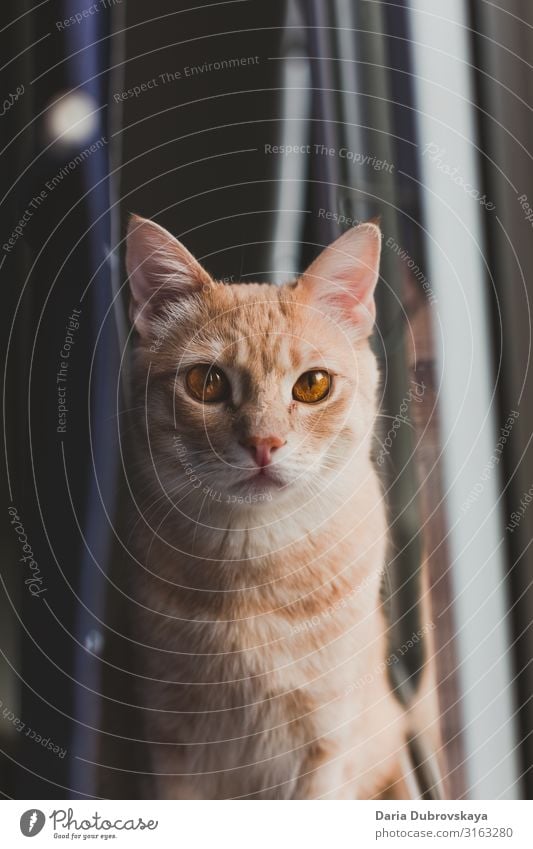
(167,514)
(197,522)
(166,494)
(126,411)
(144,513)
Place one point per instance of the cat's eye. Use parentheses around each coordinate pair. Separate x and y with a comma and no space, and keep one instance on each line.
(207,383)
(312,386)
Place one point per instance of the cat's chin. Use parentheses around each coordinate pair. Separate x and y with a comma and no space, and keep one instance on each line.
(268,478)
(262,485)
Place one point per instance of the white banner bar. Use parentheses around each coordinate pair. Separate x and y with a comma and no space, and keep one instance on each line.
(268,825)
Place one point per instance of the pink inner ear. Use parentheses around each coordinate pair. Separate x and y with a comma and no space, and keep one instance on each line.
(345,274)
(353,297)
(160,269)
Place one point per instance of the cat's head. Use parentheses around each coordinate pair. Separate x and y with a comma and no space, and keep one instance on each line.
(254,391)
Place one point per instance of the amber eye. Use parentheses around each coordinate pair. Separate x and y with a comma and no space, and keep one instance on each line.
(312,386)
(207,383)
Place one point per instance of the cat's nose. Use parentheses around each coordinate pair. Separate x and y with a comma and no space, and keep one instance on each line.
(262,447)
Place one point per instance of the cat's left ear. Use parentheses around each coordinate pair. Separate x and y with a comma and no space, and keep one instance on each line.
(160,270)
(344,276)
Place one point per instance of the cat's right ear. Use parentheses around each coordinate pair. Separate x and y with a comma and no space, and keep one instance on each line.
(160,270)
(344,276)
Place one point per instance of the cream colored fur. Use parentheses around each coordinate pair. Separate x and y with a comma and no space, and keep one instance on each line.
(261,618)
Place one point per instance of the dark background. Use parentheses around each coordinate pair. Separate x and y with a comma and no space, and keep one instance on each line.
(190,154)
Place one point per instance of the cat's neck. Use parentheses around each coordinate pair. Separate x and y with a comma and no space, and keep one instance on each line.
(233,548)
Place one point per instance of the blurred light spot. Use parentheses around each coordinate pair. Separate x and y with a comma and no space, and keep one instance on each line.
(71,119)
(94,642)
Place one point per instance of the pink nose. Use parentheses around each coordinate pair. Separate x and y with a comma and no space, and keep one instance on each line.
(261,448)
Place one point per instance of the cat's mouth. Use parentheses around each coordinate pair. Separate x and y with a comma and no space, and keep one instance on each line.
(266,476)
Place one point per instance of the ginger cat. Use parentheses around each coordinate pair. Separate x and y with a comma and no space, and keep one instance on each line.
(261,530)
